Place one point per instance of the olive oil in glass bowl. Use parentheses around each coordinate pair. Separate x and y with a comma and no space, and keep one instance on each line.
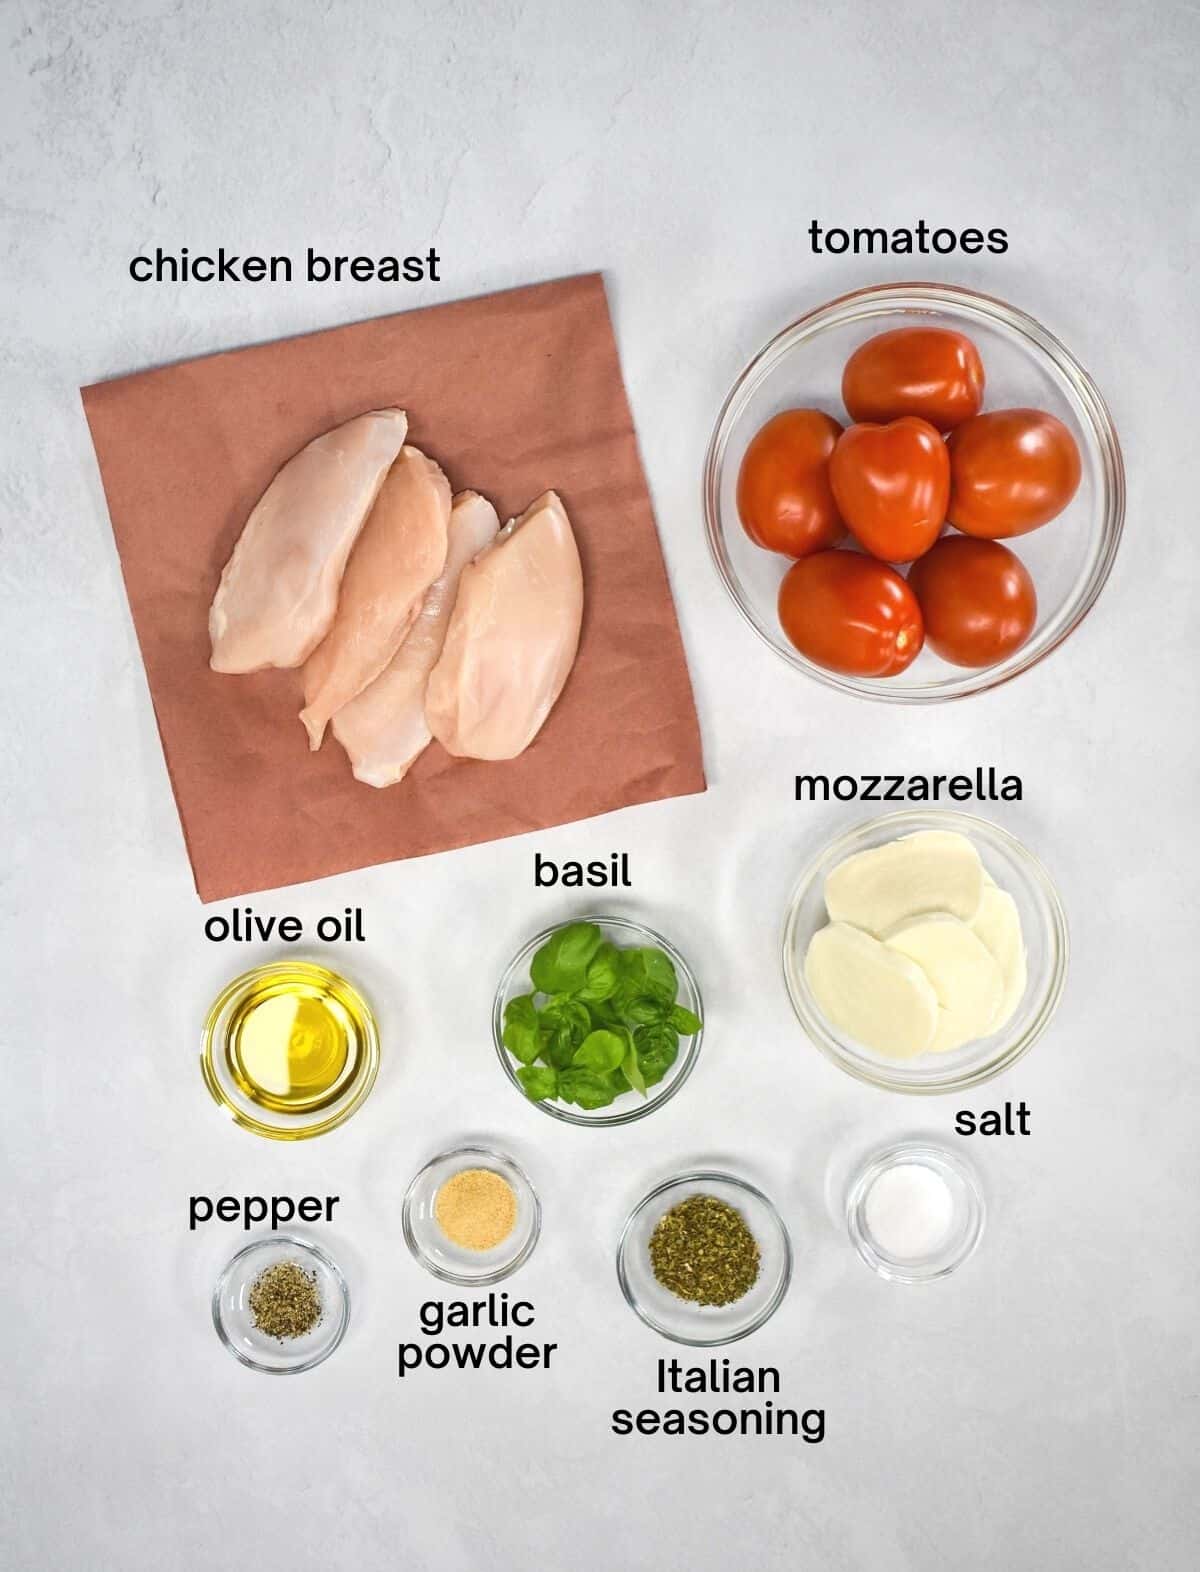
(290,1050)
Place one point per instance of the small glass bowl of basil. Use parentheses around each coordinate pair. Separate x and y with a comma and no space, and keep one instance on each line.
(598,1021)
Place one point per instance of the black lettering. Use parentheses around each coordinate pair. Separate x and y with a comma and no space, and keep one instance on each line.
(216,928)
(813,1424)
(959,788)
(309,1209)
(814,235)
(254,1210)
(622,1422)
(902,242)
(893,788)
(435,262)
(254,269)
(362,269)
(997,241)
(545,873)
(227,1208)
(842,238)
(432,1317)
(388,271)
(200,1209)
(845,788)
(964,1122)
(141,278)
(647,1422)
(869,236)
(812,784)
(971,241)
(410,1358)
(437,1356)
(317,268)
(290,929)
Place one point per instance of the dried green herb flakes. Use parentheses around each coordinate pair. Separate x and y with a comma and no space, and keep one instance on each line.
(702,1251)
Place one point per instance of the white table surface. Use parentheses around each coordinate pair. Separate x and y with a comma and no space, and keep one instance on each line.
(1040,1410)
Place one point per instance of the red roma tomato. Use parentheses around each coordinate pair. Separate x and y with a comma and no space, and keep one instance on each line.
(783,495)
(977,599)
(851,614)
(924,371)
(891,484)
(1011,471)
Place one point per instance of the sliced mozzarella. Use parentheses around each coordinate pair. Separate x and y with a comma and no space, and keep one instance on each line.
(871,993)
(998,924)
(932,871)
(965,975)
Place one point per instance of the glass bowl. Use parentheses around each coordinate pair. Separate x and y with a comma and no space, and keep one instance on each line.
(966,1219)
(225,1072)
(235,1323)
(624,933)
(1025,365)
(704,1326)
(439,1254)
(1043,925)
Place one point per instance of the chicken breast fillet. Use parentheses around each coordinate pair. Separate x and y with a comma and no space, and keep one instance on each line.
(398,555)
(512,637)
(279,590)
(384,730)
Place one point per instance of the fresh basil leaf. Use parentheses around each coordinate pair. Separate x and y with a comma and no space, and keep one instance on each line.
(567,1015)
(600,1051)
(648,971)
(558,1048)
(632,1070)
(560,966)
(603,975)
(642,1010)
(521,1008)
(606,1014)
(523,1042)
(657,1049)
(586,1088)
(684,1022)
(539,1082)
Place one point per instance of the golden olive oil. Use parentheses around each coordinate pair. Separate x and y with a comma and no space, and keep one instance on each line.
(292,1039)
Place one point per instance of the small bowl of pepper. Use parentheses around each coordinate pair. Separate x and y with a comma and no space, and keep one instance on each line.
(705,1259)
(281,1305)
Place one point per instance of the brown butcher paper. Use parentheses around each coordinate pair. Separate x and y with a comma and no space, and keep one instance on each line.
(511,393)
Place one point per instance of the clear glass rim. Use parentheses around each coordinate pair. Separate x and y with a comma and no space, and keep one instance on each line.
(356,1094)
(305,1247)
(565,1112)
(706,1176)
(1007,1055)
(488,1154)
(928,1154)
(884,299)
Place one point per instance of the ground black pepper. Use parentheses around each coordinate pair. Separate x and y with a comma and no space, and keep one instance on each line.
(285,1301)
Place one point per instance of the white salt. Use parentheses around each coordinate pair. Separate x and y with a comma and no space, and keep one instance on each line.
(909,1211)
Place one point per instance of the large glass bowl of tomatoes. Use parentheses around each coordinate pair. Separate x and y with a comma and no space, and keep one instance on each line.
(914,493)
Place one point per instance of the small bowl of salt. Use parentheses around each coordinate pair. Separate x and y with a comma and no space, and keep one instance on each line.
(915,1212)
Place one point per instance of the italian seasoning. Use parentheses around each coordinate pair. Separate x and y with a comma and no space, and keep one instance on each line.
(702,1251)
(285,1301)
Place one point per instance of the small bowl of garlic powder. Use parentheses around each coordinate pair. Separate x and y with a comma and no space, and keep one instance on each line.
(915,1212)
(471,1216)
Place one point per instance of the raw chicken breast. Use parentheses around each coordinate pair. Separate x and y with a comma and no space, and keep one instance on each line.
(279,590)
(400,552)
(512,638)
(384,730)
